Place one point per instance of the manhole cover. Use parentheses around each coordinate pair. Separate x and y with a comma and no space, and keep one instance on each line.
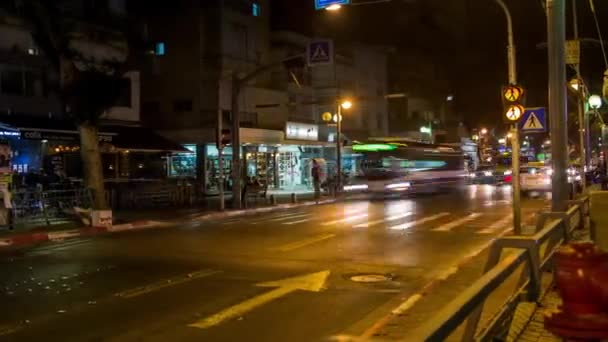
(370,278)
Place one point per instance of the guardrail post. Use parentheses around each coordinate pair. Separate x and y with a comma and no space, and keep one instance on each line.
(272,200)
(294,198)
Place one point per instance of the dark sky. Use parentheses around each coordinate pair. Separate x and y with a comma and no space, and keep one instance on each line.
(466,39)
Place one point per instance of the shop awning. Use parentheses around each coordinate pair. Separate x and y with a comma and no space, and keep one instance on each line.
(133,138)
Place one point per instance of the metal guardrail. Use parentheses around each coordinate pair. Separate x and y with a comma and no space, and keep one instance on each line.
(534,252)
(46,206)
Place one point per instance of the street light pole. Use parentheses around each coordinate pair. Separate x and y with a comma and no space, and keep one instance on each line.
(556,33)
(339,147)
(512,64)
(581,102)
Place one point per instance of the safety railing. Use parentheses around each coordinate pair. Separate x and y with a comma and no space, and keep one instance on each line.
(43,207)
(533,252)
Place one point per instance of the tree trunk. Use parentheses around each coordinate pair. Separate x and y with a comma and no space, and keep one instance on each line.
(92,169)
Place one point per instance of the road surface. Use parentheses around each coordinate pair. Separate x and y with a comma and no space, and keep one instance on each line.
(299,275)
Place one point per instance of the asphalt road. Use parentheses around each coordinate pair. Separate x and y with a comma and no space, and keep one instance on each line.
(283,276)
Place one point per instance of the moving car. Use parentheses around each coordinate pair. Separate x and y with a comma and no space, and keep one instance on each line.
(490,174)
(536,177)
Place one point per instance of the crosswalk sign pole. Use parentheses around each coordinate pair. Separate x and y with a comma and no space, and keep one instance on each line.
(515,175)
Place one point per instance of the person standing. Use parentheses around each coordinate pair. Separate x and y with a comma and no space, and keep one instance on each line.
(316,178)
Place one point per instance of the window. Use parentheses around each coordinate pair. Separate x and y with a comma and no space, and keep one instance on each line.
(11,82)
(255,9)
(160,49)
(180,106)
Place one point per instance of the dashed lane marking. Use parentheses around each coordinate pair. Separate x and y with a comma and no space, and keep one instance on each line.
(386,219)
(407,225)
(296,222)
(451,225)
(303,243)
(159,285)
(346,219)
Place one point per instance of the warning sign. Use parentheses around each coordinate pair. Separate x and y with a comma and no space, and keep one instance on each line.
(320,52)
(534,120)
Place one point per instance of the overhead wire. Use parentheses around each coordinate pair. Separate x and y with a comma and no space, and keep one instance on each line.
(599,32)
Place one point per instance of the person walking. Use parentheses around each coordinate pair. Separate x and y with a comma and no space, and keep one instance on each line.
(316,178)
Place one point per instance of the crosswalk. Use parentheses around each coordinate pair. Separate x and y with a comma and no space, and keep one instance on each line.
(442,222)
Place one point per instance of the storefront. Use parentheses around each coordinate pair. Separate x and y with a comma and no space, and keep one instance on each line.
(282,160)
(52,147)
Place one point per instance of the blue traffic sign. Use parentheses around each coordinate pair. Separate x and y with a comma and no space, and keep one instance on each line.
(534,120)
(320,52)
(321,4)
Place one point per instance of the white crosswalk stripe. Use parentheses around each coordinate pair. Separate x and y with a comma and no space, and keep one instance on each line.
(451,225)
(344,220)
(407,225)
(386,219)
(502,223)
(283,218)
(296,222)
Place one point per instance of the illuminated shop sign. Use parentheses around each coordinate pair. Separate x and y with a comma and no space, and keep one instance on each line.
(301,131)
(59,136)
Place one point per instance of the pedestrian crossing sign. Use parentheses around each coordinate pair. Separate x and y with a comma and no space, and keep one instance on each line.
(320,52)
(534,120)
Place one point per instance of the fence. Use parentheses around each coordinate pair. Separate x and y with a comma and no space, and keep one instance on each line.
(534,253)
(44,207)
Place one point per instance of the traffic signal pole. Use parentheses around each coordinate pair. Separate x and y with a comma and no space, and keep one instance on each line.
(556,34)
(515,149)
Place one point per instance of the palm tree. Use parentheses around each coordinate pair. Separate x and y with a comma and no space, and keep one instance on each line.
(88,85)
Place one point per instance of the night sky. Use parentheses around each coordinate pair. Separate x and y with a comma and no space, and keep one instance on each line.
(464,39)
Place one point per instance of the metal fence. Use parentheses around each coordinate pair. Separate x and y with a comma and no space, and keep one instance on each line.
(533,252)
(46,207)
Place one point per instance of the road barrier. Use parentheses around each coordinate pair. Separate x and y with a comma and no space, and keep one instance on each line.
(44,207)
(532,252)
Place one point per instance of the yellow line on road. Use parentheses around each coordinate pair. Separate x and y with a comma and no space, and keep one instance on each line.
(138,291)
(303,243)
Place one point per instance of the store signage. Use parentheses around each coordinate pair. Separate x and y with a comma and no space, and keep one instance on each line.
(301,131)
(58,136)
(9,133)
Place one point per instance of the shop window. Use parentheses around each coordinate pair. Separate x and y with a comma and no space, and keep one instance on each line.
(180,106)
(255,9)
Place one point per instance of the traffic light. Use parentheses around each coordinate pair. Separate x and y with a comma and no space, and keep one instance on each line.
(223,138)
(513,98)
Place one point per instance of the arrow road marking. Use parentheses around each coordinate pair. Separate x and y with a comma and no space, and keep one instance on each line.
(390,218)
(449,226)
(408,225)
(314,282)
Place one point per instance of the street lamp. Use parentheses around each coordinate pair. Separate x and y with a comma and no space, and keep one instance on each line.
(343,104)
(595,102)
(484,131)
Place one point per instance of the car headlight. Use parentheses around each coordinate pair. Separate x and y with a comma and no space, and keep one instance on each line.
(508,172)
(550,172)
(403,185)
(487,173)
(472,175)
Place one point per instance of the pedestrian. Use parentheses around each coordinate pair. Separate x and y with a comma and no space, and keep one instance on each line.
(316,178)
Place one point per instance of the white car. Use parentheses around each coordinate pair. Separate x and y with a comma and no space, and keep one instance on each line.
(539,179)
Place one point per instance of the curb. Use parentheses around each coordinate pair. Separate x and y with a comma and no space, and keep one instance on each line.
(26,239)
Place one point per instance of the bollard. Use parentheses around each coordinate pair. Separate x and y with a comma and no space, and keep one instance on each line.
(294,198)
(272,200)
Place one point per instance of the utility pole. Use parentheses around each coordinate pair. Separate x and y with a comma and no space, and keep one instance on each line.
(220,157)
(581,101)
(556,33)
(339,148)
(236,142)
(512,63)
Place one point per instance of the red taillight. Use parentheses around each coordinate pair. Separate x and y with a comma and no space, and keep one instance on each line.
(508,179)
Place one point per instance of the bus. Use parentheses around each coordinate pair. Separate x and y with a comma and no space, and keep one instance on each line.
(406,167)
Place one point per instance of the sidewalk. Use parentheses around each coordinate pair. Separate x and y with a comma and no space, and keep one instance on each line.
(149,218)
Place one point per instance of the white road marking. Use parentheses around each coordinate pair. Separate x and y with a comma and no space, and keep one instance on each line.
(284,218)
(408,225)
(138,291)
(296,222)
(314,282)
(407,304)
(386,219)
(346,219)
(303,243)
(451,225)
(502,223)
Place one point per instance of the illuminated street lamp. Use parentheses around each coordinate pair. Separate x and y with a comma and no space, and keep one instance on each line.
(595,102)
(484,131)
(342,104)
